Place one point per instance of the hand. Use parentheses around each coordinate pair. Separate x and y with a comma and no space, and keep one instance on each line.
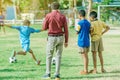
(65,44)
(41,30)
(102,33)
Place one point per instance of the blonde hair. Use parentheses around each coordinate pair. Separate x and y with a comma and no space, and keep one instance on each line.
(26,22)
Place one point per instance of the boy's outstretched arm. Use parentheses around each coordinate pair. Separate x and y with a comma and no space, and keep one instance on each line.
(106,29)
(42,30)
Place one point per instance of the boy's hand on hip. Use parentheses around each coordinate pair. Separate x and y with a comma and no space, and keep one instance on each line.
(66,45)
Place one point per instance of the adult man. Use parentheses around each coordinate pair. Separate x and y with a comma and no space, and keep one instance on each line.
(56,24)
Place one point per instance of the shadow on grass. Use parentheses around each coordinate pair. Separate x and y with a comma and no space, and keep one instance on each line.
(71,65)
(90,77)
(12,78)
(114,72)
(76,65)
(42,64)
(7,70)
(100,65)
(13,70)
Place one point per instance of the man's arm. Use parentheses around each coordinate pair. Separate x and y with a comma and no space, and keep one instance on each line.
(66,32)
(45,23)
(42,30)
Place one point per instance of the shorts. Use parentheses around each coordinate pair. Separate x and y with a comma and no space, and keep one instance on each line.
(26,47)
(85,49)
(97,45)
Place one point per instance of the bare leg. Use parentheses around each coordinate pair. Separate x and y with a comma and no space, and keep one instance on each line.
(19,53)
(85,59)
(33,56)
(101,61)
(16,53)
(94,61)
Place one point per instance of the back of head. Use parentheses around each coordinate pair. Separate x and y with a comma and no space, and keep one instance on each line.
(26,22)
(93,14)
(82,13)
(55,5)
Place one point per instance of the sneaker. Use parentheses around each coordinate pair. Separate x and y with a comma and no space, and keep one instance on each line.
(46,77)
(57,77)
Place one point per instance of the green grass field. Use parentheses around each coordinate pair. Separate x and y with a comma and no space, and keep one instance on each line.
(72,63)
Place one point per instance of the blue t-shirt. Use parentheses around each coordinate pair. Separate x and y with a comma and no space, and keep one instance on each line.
(25,32)
(83,34)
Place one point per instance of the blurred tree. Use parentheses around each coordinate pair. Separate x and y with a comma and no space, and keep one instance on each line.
(46,5)
(0,5)
(6,3)
(35,4)
(89,8)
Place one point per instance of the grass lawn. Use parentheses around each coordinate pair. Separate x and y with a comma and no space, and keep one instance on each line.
(72,63)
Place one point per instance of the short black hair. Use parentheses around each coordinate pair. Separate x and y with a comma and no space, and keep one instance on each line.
(55,5)
(93,14)
(82,13)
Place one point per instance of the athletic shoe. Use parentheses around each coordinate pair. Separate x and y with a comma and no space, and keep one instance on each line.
(46,77)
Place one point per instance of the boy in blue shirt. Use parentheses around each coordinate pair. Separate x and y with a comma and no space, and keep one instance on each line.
(83,30)
(24,36)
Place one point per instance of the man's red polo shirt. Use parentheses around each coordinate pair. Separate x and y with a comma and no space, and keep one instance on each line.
(56,24)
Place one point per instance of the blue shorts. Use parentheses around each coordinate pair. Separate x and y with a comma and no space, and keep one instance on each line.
(26,47)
